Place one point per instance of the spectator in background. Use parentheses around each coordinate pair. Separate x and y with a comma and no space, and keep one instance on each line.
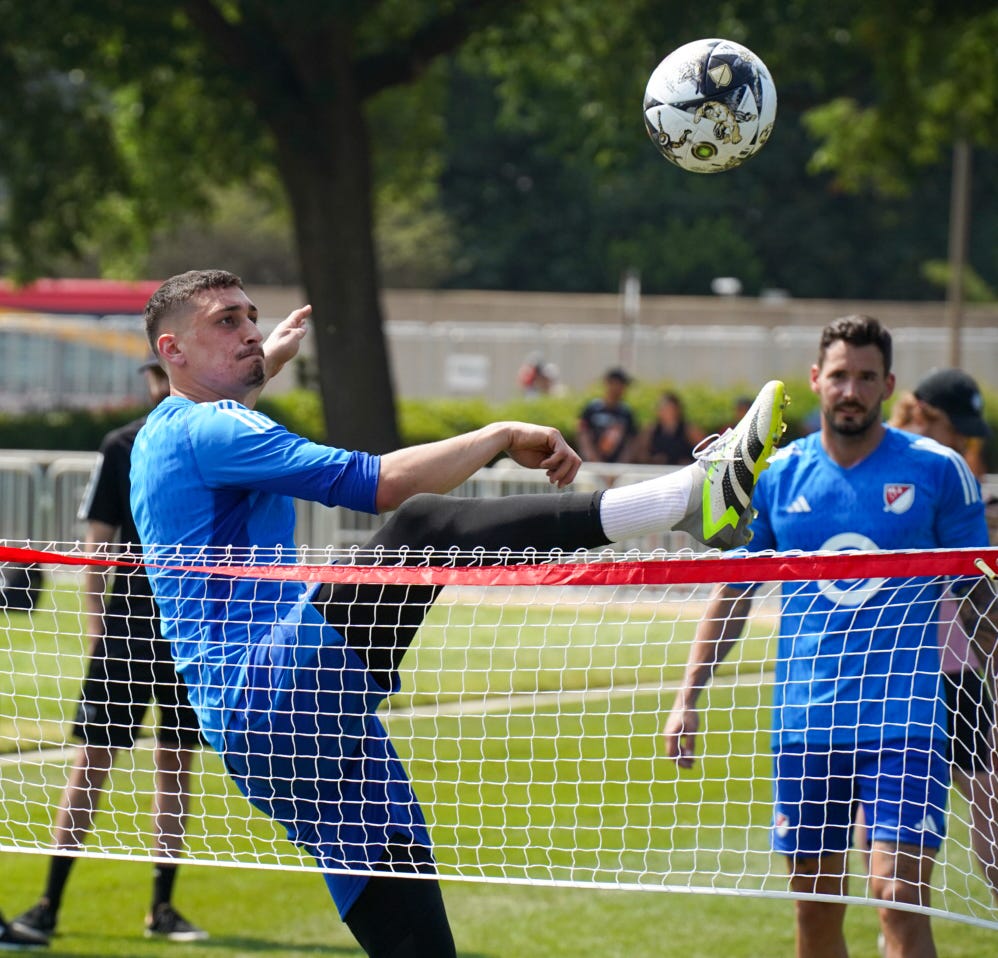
(607,428)
(949,404)
(742,404)
(537,377)
(669,440)
(946,406)
(130,664)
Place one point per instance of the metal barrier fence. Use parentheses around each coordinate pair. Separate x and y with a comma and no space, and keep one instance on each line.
(40,495)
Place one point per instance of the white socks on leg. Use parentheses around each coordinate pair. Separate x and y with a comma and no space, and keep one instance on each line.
(654,505)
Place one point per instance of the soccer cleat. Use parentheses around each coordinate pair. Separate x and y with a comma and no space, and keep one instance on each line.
(167,923)
(14,939)
(39,919)
(721,511)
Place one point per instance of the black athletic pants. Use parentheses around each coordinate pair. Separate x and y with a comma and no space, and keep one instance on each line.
(379,622)
(396,918)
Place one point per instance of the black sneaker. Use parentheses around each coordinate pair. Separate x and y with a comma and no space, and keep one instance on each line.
(37,920)
(13,940)
(167,923)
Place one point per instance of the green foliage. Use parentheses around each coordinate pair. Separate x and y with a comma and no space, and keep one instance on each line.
(101,119)
(975,290)
(935,81)
(299,411)
(520,162)
(75,430)
(429,420)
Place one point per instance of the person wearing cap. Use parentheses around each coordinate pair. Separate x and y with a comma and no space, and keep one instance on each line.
(950,409)
(130,664)
(607,428)
(946,406)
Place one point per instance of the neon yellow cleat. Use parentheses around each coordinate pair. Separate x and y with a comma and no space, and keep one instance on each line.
(732,463)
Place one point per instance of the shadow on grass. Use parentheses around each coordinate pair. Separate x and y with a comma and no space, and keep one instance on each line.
(127,947)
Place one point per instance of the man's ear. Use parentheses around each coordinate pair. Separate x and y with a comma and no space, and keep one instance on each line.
(890,381)
(815,373)
(169,349)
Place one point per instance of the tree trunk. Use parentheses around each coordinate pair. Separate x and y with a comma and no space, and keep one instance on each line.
(324,156)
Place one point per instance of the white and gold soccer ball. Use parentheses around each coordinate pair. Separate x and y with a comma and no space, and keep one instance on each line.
(710,105)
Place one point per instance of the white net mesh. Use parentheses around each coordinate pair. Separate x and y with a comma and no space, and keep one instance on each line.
(528,721)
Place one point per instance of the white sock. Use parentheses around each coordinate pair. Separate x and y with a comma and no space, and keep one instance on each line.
(654,505)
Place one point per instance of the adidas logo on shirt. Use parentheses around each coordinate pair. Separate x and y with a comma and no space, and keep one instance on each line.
(800,504)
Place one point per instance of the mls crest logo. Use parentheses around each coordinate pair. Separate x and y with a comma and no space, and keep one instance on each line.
(898,497)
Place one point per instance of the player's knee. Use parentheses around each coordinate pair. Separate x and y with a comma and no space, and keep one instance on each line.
(899,890)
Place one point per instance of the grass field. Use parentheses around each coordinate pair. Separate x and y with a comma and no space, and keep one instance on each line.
(563,784)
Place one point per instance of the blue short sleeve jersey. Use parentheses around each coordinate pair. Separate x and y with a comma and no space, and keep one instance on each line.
(214,476)
(858,662)
(278,693)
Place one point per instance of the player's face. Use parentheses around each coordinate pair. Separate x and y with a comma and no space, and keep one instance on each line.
(221,345)
(852,385)
(937,425)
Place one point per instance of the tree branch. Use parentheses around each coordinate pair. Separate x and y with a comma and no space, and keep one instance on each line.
(433,38)
(248,53)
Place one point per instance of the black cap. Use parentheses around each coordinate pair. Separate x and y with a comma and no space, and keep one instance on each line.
(957,395)
(151,363)
(618,373)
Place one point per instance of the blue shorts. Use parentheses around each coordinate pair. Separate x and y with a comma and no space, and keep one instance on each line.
(903,792)
(309,751)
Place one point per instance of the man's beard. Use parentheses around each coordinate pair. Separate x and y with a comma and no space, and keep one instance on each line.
(257,374)
(854,427)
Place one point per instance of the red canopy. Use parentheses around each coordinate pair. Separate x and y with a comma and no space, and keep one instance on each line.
(96,297)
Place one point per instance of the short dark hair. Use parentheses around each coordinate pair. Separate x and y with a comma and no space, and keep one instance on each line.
(858,330)
(176,292)
(618,373)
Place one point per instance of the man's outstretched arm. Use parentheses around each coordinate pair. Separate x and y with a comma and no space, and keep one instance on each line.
(444,465)
(717,632)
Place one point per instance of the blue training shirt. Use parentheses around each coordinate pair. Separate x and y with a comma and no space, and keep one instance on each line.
(210,477)
(858,662)
(277,692)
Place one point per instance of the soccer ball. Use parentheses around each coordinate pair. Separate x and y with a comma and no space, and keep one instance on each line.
(710,105)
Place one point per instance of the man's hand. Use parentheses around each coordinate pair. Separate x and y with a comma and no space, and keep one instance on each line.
(284,342)
(543,447)
(680,734)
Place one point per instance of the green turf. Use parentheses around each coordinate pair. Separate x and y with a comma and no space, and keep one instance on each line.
(574,791)
(269,914)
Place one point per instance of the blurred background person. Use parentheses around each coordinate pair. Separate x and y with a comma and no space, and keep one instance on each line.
(741,406)
(538,377)
(129,667)
(607,427)
(669,440)
(947,406)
